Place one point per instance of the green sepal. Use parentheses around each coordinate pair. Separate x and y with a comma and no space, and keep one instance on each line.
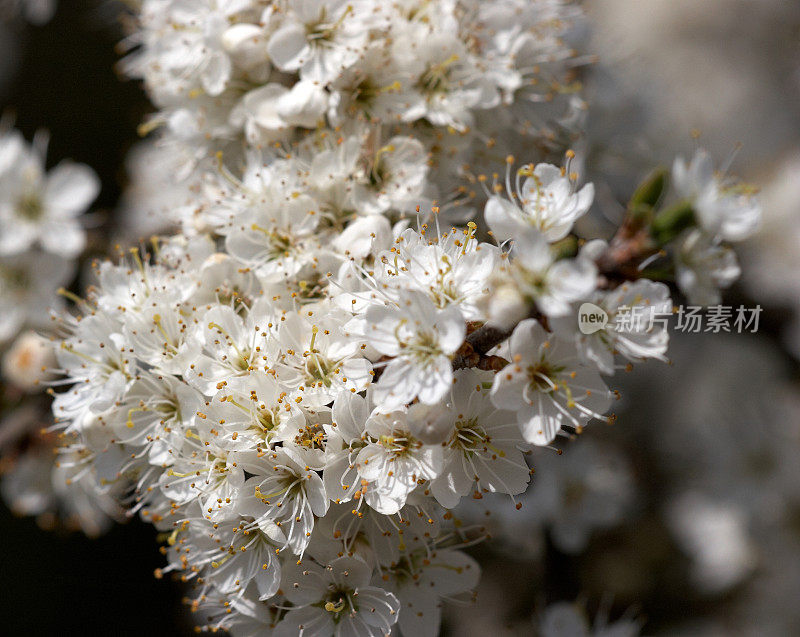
(565,248)
(669,223)
(647,195)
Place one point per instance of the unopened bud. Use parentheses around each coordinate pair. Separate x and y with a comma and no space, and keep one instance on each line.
(246,44)
(26,363)
(506,306)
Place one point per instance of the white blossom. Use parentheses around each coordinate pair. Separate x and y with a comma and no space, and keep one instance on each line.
(547,200)
(421,340)
(547,386)
(637,315)
(552,285)
(301,384)
(336,599)
(703,266)
(29,361)
(723,209)
(718,565)
(39,208)
(28,286)
(482,447)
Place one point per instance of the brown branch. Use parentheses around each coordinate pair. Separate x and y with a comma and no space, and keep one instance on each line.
(479,341)
(631,245)
(482,339)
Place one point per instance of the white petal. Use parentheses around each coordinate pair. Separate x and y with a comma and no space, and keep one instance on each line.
(540,422)
(503,217)
(288,47)
(65,239)
(435,381)
(70,188)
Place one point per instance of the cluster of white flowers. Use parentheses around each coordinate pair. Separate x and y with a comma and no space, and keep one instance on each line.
(725,211)
(301,385)
(297,399)
(464,76)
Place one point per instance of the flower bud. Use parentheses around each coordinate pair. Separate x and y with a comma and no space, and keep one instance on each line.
(26,362)
(303,105)
(246,44)
(506,306)
(365,236)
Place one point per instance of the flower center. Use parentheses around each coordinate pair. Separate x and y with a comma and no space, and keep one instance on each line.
(436,79)
(541,376)
(30,206)
(468,436)
(311,437)
(424,347)
(398,445)
(340,604)
(234,297)
(319,369)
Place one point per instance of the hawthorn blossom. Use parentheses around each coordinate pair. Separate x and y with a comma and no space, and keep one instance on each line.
(421,340)
(40,207)
(547,200)
(547,386)
(421,580)
(336,599)
(289,497)
(269,227)
(394,177)
(291,379)
(482,447)
(317,360)
(378,459)
(637,315)
(703,267)
(220,70)
(723,209)
(318,38)
(552,285)
(299,385)
(28,361)
(28,286)
(453,270)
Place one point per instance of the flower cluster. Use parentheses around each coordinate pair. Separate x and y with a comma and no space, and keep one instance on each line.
(263,422)
(726,211)
(297,400)
(463,76)
(300,386)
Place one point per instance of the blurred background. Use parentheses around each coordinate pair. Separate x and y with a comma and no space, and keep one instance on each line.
(685,515)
